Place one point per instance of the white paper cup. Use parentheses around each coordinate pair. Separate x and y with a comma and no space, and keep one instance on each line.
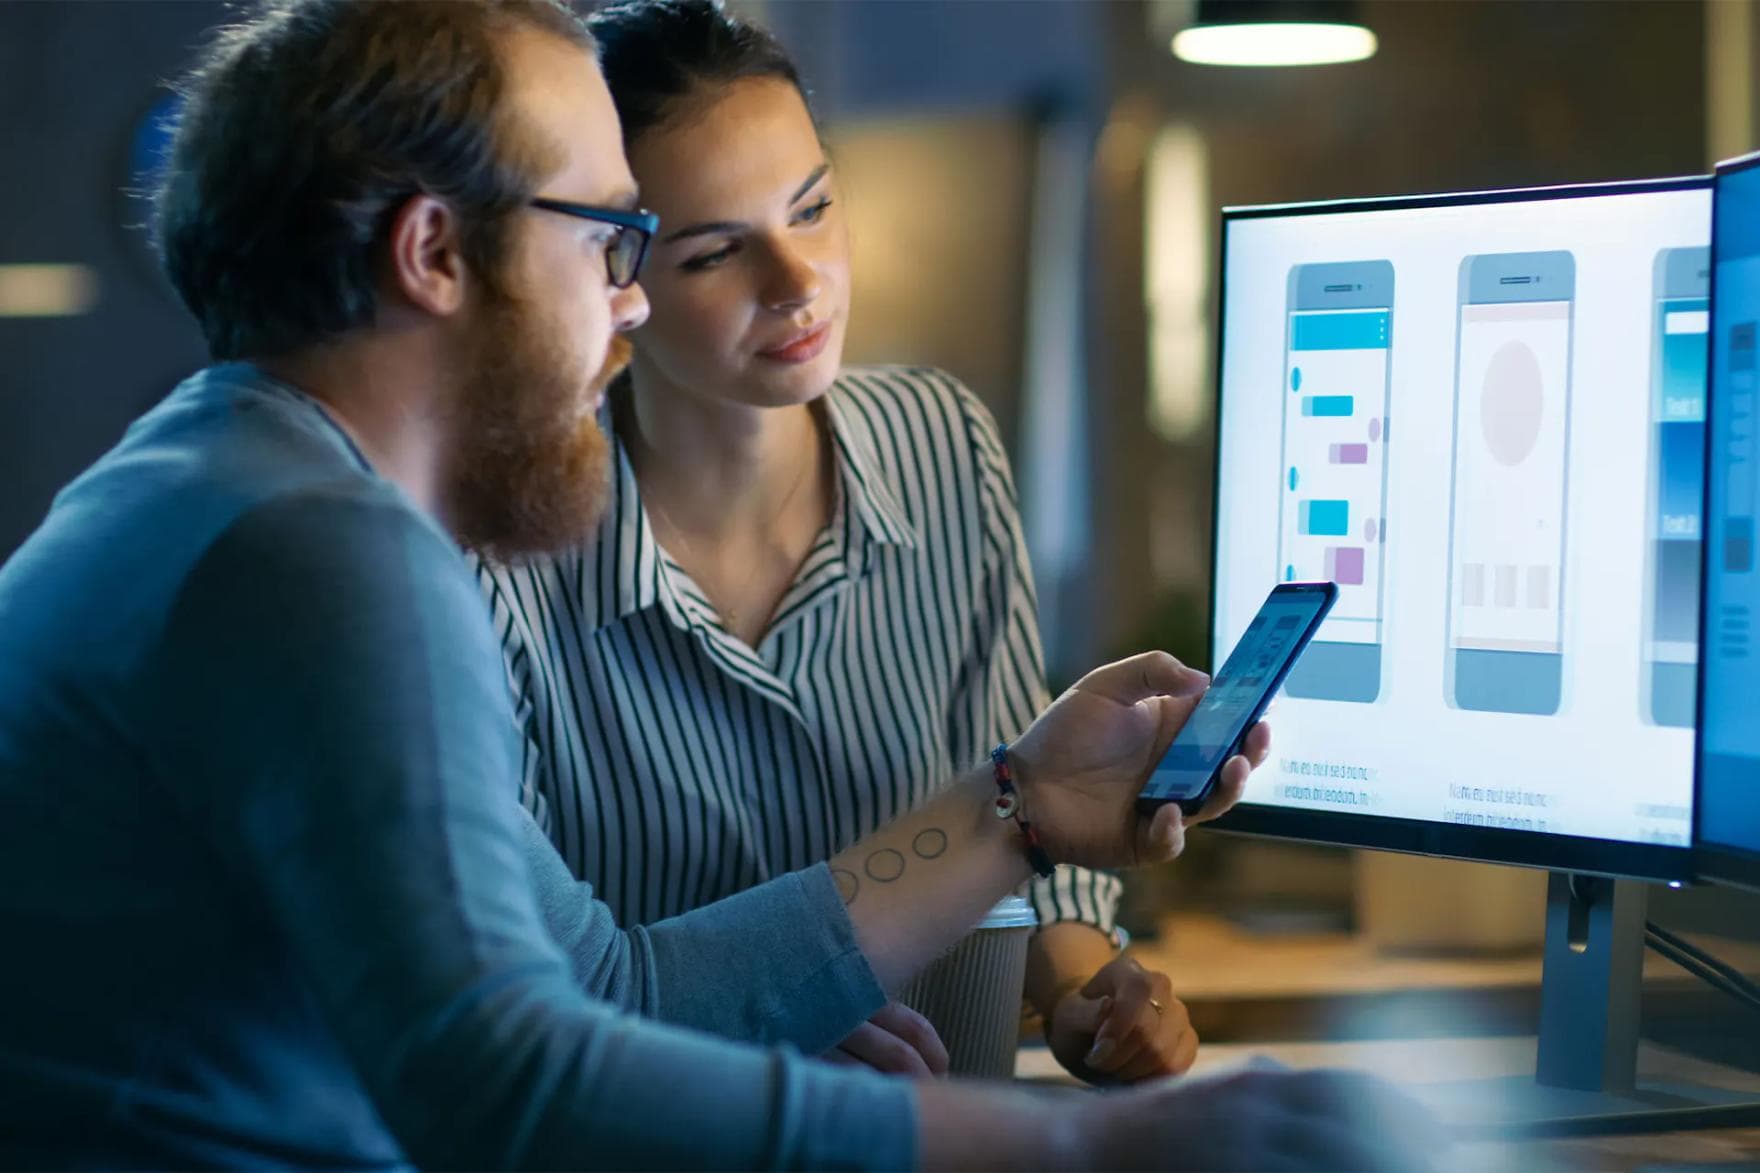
(972,994)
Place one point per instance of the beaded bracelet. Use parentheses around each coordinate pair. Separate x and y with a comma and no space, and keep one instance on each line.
(1008,806)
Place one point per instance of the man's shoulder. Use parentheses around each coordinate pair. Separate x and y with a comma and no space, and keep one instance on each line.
(213,474)
(222,440)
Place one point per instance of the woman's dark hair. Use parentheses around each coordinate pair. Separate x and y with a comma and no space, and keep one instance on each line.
(302,133)
(657,52)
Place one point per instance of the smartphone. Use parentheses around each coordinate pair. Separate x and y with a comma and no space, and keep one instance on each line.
(1237,696)
(1332,523)
(1680,315)
(1509,483)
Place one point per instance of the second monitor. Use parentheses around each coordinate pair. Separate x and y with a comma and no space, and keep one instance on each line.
(1482,417)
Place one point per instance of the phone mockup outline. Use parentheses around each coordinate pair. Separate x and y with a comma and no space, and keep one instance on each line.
(1238,695)
(1509,483)
(1674,528)
(1332,515)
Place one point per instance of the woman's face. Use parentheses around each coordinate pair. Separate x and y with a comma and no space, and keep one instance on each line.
(749,278)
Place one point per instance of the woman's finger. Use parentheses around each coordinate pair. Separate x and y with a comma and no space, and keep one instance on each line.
(1130,1027)
(1170,1044)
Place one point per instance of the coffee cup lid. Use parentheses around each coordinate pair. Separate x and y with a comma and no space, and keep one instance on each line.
(1011,912)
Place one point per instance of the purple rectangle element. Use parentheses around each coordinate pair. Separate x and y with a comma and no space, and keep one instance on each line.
(1350,454)
(1344,565)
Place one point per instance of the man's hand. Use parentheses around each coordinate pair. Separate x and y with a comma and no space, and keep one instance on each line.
(1258,1119)
(1246,1120)
(1125,1025)
(896,1041)
(1081,764)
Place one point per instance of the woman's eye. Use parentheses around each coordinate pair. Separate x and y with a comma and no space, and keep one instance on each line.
(707,260)
(812,215)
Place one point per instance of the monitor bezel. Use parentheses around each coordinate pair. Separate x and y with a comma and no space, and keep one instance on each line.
(1714,863)
(1555,852)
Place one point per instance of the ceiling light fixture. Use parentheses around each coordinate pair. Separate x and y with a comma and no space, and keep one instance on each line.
(1274,32)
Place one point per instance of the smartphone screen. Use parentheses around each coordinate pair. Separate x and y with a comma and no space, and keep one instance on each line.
(1677,471)
(1511,477)
(1332,523)
(1240,691)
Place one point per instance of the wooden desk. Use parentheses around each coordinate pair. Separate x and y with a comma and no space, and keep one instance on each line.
(1412,1063)
(1242,986)
(1331,1000)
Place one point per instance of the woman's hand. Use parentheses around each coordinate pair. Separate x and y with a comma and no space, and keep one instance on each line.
(896,1041)
(1124,1025)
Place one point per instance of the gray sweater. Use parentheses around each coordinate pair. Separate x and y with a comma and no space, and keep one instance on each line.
(267,892)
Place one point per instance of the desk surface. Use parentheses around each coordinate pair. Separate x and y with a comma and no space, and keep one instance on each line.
(1412,1063)
(1211,959)
(1243,986)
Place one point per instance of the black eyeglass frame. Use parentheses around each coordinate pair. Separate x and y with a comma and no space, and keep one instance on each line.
(644,224)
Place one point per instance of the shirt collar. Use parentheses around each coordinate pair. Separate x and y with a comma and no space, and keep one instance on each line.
(864,483)
(636,563)
(629,560)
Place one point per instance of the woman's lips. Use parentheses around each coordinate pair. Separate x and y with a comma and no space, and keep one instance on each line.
(803,349)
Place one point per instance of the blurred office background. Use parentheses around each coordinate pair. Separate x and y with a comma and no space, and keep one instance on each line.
(1033,186)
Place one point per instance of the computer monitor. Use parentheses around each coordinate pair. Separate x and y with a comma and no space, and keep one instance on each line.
(1727,811)
(1481,416)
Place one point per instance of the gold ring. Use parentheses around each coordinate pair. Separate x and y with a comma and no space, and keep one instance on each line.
(1159,1008)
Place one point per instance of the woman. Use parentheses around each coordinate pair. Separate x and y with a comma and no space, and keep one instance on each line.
(809,598)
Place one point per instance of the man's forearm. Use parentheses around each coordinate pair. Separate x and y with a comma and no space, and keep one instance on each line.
(992,1126)
(917,884)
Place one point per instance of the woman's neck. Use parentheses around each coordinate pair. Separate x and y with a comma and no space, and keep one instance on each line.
(718,470)
(737,495)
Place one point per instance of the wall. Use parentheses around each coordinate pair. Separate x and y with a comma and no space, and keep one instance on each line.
(74,78)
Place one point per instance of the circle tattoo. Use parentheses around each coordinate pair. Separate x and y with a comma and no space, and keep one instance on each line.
(846,884)
(885,865)
(930,844)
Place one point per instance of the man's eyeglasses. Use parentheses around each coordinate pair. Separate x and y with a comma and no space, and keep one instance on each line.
(625,253)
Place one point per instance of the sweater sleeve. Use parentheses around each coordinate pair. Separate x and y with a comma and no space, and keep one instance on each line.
(777,963)
(334,721)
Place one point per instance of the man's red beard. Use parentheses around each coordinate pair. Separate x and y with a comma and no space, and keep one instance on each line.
(530,467)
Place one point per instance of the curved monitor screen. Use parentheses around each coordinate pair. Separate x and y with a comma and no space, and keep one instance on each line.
(1482,417)
(1729,766)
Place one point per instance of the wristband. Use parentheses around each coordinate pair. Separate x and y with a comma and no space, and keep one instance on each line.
(1008,806)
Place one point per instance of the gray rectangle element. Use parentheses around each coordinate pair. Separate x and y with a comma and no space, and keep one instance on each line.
(1506,585)
(1539,587)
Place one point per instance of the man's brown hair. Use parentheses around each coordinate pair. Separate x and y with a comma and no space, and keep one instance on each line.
(305,129)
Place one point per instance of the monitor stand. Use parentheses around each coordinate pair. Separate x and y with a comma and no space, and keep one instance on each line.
(1586,1078)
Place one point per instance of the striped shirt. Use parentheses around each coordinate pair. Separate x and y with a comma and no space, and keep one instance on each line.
(674,765)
